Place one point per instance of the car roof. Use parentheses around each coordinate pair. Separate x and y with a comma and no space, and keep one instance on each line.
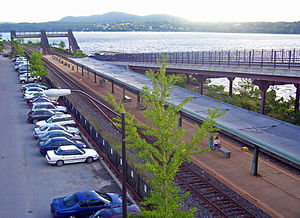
(43,103)
(44,110)
(57,131)
(62,139)
(86,195)
(62,115)
(66,147)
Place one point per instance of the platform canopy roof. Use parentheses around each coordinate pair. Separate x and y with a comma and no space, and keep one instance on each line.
(276,136)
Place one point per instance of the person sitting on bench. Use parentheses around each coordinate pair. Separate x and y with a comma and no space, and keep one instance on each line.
(217,143)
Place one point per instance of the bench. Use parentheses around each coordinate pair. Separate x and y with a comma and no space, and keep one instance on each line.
(127,98)
(225,152)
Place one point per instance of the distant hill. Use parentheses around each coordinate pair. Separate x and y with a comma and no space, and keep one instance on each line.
(118,21)
(120,17)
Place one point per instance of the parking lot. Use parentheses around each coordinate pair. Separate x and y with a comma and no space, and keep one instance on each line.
(28,182)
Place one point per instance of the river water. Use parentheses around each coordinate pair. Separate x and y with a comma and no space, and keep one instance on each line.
(133,42)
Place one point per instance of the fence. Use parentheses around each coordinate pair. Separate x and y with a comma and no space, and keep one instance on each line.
(133,178)
(255,58)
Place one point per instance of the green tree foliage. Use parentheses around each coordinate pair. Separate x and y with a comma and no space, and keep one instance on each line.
(37,65)
(1,43)
(164,157)
(17,46)
(62,44)
(79,54)
(248,97)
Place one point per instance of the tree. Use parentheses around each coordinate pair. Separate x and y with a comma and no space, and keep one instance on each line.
(62,44)
(17,46)
(1,43)
(36,65)
(163,157)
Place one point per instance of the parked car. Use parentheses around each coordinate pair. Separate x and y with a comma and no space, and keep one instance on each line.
(116,212)
(24,87)
(71,154)
(5,54)
(40,100)
(41,130)
(63,120)
(32,90)
(55,143)
(83,203)
(48,106)
(34,95)
(37,115)
(58,133)
(26,78)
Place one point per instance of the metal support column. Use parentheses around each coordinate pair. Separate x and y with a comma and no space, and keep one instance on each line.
(95,77)
(82,71)
(112,87)
(124,170)
(296,107)
(255,160)
(88,72)
(124,93)
(138,101)
(211,142)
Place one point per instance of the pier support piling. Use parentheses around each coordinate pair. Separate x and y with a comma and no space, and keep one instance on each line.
(201,79)
(230,85)
(263,86)
(296,107)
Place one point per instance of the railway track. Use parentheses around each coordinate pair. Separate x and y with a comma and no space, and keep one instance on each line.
(219,203)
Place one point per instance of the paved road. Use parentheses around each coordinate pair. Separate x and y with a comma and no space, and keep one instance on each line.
(27,182)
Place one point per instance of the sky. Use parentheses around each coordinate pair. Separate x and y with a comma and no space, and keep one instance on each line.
(193,10)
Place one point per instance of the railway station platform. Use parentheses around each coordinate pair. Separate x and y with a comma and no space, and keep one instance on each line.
(275,189)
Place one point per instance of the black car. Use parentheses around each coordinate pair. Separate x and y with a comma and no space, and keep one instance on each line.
(34,116)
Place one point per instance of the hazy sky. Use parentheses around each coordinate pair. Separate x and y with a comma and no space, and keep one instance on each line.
(194,10)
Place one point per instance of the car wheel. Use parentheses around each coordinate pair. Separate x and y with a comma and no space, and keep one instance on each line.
(35,120)
(89,160)
(59,163)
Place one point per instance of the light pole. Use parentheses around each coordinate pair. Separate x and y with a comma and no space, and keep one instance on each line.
(122,131)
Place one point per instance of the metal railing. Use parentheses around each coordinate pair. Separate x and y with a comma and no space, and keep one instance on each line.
(246,58)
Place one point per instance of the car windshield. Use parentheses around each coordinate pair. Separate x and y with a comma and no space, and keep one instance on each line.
(70,200)
(43,128)
(104,197)
(49,120)
(58,151)
(48,141)
(44,134)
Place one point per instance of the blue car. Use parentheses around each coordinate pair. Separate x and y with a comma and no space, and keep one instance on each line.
(54,143)
(84,203)
(116,212)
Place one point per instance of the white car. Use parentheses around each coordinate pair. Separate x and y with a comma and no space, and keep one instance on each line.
(64,119)
(71,154)
(41,130)
(48,106)
(27,78)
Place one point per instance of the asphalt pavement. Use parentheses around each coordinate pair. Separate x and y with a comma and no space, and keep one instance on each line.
(27,183)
